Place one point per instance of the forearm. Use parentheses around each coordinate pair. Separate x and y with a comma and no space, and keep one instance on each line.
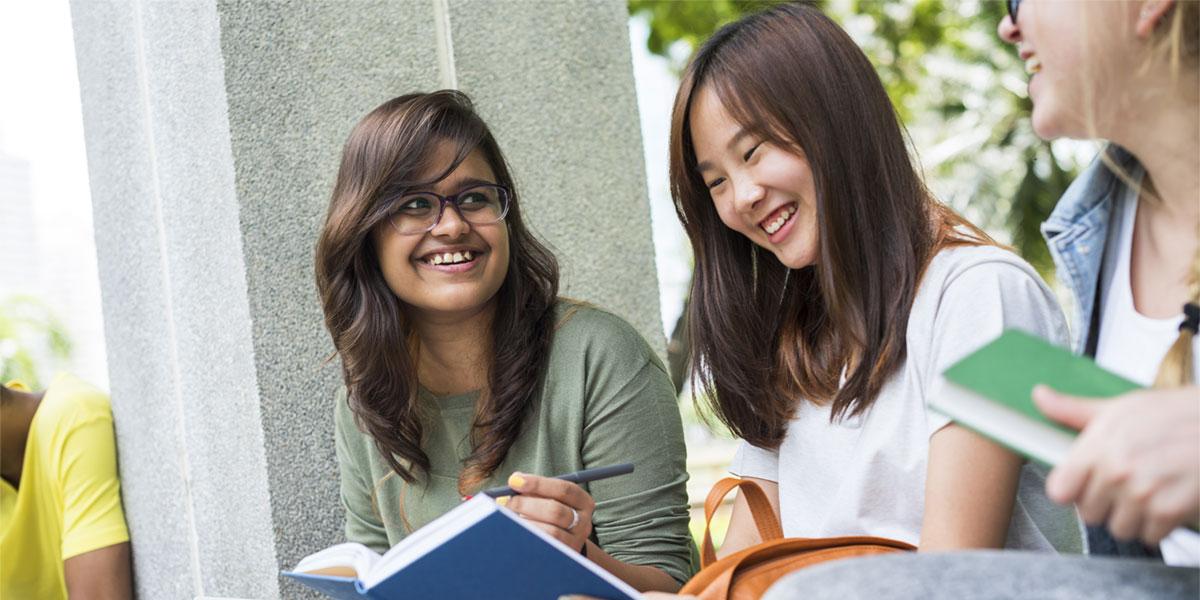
(642,578)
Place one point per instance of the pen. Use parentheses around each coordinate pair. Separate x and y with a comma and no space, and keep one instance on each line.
(583,476)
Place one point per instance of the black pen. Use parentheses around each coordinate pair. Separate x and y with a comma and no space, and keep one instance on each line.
(583,476)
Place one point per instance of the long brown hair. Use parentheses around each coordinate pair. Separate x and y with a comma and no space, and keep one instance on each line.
(764,336)
(374,338)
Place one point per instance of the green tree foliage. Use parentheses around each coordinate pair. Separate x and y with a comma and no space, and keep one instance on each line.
(958,88)
(29,330)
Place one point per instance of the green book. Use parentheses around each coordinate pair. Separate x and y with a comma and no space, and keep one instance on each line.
(990,392)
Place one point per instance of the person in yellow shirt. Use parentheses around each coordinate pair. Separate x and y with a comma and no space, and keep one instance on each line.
(62,529)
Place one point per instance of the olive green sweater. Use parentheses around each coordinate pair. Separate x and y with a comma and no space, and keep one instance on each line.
(605,399)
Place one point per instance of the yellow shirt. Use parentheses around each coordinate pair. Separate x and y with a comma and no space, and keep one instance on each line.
(69,501)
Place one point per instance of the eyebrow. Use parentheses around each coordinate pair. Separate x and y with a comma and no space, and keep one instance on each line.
(459,185)
(737,137)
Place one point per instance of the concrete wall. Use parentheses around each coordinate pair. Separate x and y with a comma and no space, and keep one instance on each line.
(213,134)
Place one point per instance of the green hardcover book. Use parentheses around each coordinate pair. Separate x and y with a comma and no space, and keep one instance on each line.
(990,391)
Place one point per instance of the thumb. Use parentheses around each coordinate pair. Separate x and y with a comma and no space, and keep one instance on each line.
(1072,411)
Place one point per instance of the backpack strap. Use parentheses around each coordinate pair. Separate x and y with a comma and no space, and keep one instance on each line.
(761,511)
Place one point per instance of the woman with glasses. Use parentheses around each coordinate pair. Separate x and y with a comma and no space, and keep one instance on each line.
(464,369)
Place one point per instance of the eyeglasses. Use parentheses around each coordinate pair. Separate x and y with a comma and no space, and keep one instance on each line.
(1013,6)
(481,204)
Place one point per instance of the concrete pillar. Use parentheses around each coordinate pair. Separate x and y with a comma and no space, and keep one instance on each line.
(213,135)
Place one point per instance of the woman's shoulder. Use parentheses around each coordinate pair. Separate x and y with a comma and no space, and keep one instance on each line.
(584,327)
(982,290)
(70,401)
(962,264)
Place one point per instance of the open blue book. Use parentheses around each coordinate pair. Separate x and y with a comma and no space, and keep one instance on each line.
(477,550)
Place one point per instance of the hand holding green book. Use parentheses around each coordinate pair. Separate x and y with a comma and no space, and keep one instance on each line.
(990,391)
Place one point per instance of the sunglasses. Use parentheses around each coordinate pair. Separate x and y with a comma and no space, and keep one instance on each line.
(1013,6)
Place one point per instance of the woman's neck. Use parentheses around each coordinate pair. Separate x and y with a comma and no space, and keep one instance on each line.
(1165,137)
(455,351)
(16,415)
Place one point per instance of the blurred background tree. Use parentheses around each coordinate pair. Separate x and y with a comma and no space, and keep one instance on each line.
(31,339)
(959,89)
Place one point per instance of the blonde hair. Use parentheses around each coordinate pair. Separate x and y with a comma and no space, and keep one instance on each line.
(1176,368)
(1176,41)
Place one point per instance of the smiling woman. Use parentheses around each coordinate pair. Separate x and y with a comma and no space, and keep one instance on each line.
(462,366)
(834,290)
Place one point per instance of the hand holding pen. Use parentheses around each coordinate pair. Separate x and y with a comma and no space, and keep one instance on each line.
(557,505)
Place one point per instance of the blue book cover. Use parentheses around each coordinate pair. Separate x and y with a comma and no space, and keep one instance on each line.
(477,550)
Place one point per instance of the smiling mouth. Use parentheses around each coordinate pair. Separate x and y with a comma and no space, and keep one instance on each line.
(777,219)
(450,258)
(1033,65)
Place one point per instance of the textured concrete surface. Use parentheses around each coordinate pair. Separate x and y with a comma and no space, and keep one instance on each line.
(299,75)
(213,134)
(554,79)
(178,322)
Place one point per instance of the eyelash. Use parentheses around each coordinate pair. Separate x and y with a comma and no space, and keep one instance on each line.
(745,157)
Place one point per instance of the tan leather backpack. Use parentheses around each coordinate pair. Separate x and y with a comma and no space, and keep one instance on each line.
(747,574)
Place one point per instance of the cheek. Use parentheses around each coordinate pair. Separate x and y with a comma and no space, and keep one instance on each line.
(395,264)
(501,257)
(727,215)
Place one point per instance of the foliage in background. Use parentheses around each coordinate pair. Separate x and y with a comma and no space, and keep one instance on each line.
(29,332)
(959,89)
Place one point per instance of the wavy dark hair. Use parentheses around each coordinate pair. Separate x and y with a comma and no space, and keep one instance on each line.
(791,76)
(372,335)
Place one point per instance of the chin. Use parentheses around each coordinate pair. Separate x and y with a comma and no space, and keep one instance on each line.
(1050,126)
(798,260)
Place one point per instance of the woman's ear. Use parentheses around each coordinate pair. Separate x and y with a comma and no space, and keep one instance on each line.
(1151,15)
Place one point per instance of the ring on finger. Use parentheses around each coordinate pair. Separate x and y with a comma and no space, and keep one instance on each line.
(574,519)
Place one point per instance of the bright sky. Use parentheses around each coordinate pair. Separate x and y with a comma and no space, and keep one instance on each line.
(40,122)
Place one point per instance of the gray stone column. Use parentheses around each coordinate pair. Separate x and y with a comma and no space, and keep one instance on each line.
(213,136)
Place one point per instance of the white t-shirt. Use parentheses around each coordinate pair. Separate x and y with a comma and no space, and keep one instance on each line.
(1133,345)
(866,475)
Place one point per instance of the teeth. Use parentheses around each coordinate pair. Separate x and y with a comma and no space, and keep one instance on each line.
(451,258)
(774,226)
(1033,65)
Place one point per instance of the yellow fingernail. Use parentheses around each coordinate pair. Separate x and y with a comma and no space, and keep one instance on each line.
(502,500)
(516,481)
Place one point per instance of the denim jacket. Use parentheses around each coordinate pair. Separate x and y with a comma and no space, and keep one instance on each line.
(1077,232)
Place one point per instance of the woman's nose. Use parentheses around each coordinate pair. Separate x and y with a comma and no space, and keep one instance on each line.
(747,194)
(1008,30)
(451,224)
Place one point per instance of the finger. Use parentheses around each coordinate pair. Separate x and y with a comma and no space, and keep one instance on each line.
(1096,503)
(544,510)
(1067,482)
(1172,507)
(1071,411)
(558,534)
(548,487)
(1155,529)
(1127,516)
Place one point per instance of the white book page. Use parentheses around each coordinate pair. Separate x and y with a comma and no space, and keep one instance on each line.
(1011,428)
(461,518)
(351,554)
(429,537)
